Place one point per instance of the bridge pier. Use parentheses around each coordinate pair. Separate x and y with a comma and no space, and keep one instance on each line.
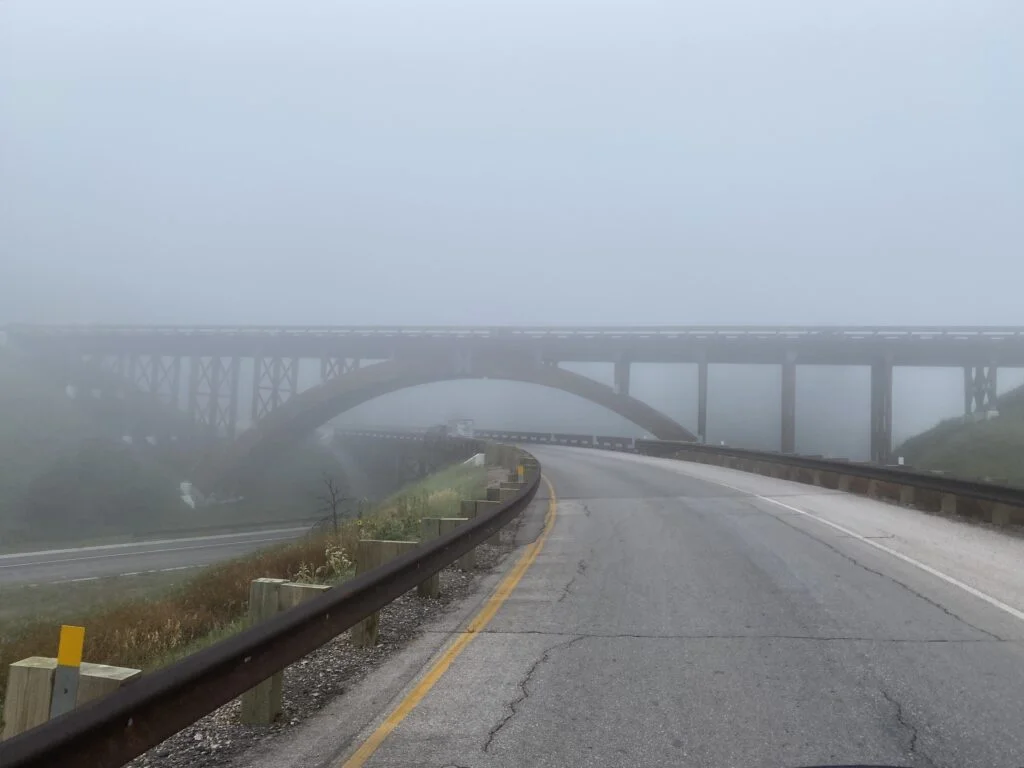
(980,395)
(622,377)
(213,393)
(789,403)
(881,411)
(274,381)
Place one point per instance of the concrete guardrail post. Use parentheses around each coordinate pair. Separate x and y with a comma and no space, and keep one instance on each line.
(872,488)
(371,554)
(844,482)
(30,689)
(906,495)
(267,597)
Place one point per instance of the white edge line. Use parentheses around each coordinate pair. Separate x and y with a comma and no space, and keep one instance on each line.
(150,542)
(143,552)
(996,603)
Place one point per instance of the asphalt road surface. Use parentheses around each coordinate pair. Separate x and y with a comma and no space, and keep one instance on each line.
(82,563)
(672,620)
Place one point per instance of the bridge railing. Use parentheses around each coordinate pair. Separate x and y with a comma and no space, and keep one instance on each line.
(850,333)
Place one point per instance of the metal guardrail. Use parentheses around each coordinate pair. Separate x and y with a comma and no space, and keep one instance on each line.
(978,490)
(111,731)
(990,501)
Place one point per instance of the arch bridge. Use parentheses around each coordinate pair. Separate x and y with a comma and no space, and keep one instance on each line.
(191,377)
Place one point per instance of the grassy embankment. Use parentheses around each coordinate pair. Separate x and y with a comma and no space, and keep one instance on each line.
(982,449)
(154,623)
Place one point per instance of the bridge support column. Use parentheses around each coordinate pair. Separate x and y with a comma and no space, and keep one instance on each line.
(213,394)
(274,381)
(622,377)
(789,403)
(165,381)
(702,400)
(881,411)
(979,391)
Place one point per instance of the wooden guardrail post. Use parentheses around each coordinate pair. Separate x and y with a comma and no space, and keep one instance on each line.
(262,703)
(1001,514)
(494,496)
(29,698)
(484,507)
(948,504)
(433,528)
(370,554)
(906,495)
(430,528)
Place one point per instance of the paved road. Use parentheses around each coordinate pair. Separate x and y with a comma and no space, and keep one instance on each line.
(672,620)
(60,565)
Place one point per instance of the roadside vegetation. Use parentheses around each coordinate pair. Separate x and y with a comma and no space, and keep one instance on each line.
(155,623)
(991,449)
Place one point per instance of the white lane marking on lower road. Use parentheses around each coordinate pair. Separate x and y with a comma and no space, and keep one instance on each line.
(84,578)
(142,552)
(994,602)
(151,542)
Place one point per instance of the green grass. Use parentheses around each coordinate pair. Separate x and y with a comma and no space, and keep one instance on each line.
(992,448)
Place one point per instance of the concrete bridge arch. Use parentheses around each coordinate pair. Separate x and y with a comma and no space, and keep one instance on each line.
(307,410)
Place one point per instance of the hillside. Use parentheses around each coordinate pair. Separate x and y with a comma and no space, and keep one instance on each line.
(65,474)
(992,448)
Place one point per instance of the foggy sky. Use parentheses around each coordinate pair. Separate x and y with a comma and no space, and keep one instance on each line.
(566,161)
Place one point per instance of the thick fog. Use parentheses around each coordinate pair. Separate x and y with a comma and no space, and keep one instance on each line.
(401,162)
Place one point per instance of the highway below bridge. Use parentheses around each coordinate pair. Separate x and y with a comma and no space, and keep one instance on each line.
(670,613)
(73,564)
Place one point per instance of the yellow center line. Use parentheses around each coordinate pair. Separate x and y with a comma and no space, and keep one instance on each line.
(477,625)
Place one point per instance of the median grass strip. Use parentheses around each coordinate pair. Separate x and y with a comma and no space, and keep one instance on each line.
(150,630)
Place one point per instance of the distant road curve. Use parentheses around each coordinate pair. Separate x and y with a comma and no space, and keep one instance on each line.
(83,563)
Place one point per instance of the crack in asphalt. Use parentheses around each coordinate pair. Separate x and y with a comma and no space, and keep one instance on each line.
(565,590)
(581,568)
(886,576)
(908,726)
(524,694)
